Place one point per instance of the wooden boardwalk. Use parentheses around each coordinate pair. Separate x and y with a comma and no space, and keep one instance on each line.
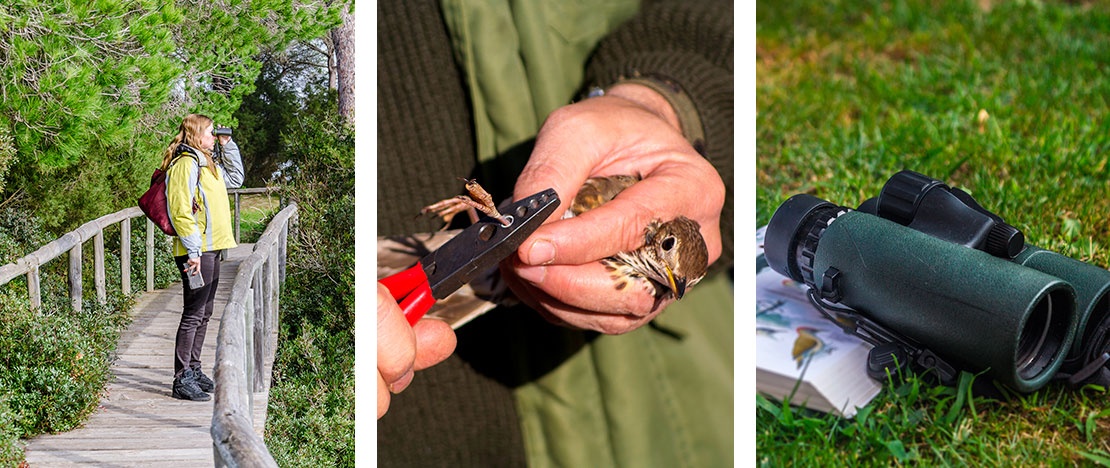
(138,423)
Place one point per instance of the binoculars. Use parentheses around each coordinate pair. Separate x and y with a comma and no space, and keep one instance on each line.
(939,284)
(221,131)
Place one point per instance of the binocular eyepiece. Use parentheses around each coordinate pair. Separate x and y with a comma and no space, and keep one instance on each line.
(221,131)
(925,267)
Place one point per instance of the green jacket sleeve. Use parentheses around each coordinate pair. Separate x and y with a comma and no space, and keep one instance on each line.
(688,44)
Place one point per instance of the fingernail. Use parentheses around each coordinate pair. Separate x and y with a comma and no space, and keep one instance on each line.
(402,383)
(542,253)
(532,274)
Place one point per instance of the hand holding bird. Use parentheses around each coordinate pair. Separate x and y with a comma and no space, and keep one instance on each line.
(629,131)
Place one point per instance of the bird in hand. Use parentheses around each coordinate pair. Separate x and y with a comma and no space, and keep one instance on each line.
(674,256)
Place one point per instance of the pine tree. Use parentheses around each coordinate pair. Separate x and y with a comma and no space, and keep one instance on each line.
(93,90)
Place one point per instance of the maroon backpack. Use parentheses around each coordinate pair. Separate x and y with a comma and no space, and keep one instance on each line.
(154,205)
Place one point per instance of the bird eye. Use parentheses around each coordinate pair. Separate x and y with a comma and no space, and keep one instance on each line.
(668,243)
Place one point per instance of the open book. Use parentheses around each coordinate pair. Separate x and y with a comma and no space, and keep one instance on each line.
(795,341)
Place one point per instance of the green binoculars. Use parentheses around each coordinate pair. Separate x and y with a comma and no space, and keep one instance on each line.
(938,283)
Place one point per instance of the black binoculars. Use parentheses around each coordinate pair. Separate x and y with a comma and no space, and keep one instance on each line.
(221,131)
(938,283)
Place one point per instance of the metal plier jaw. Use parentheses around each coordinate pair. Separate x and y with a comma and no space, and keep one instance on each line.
(474,250)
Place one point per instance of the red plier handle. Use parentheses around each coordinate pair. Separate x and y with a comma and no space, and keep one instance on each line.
(411,290)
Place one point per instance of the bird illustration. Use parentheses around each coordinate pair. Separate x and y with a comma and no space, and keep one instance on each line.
(674,256)
(806,345)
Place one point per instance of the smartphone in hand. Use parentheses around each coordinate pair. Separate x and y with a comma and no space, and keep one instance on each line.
(196,281)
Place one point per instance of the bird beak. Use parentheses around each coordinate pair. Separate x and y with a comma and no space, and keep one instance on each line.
(678,285)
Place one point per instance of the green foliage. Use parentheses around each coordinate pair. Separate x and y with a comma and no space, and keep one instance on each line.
(1006,100)
(56,363)
(74,73)
(7,152)
(311,420)
(263,115)
(920,423)
(54,366)
(93,92)
(19,235)
(311,414)
(11,451)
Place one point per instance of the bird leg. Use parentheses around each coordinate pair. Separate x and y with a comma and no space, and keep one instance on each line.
(476,199)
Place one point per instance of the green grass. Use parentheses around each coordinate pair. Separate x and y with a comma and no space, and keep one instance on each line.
(1006,100)
(255,211)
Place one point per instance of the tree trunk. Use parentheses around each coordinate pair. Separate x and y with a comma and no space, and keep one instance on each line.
(343,39)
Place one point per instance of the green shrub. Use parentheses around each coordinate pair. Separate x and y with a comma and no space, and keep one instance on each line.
(55,362)
(11,451)
(311,413)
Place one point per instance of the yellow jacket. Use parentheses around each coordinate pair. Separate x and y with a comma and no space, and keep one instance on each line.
(209,228)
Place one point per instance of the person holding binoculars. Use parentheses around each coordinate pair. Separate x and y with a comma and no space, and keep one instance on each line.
(196,194)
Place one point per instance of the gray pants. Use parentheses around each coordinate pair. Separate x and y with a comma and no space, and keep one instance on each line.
(198,309)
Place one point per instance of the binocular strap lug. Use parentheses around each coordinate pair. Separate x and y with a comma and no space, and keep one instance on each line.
(943,371)
(830,285)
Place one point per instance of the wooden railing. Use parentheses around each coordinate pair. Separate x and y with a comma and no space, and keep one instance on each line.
(243,346)
(73,241)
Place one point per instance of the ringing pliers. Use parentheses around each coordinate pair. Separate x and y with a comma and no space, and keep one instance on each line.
(471,252)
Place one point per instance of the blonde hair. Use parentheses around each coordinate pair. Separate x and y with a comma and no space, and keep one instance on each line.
(189,133)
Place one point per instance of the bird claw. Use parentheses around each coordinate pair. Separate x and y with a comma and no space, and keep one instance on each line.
(476,200)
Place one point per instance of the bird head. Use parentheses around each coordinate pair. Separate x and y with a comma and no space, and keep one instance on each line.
(680,257)
(807,331)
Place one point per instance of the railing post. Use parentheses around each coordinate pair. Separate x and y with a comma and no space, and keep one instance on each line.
(75,276)
(237,217)
(242,354)
(283,243)
(125,256)
(98,267)
(261,303)
(33,287)
(149,255)
(258,301)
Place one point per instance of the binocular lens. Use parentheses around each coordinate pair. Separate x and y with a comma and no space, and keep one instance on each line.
(1044,332)
(1092,285)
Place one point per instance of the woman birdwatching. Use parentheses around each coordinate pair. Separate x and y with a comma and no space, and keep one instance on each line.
(196,192)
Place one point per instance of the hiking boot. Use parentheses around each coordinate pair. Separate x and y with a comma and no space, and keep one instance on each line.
(185,387)
(206,384)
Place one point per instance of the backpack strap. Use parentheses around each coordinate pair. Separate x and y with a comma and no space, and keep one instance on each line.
(181,151)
